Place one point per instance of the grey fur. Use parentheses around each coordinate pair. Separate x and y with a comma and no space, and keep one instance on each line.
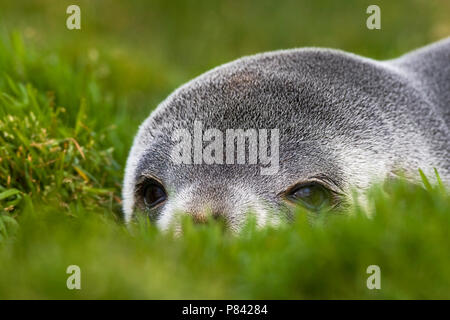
(344,120)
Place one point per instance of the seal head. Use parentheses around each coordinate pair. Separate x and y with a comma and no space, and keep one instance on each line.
(312,123)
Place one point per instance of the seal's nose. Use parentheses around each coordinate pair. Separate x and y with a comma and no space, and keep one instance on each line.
(206,217)
(208,203)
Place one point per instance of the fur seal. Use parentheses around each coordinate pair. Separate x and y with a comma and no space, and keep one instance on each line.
(342,121)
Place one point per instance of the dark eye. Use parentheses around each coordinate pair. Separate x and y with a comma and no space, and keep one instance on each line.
(153,193)
(313,196)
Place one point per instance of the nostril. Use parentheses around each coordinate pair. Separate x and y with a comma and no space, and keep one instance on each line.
(218,216)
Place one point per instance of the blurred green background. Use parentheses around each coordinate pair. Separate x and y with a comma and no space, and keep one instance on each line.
(71,102)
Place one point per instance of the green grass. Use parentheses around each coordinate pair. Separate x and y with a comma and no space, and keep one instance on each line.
(70,105)
(408,238)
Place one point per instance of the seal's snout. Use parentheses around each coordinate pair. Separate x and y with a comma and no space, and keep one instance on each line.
(225,204)
(207,217)
(208,204)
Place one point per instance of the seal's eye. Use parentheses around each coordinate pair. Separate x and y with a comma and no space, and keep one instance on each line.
(313,196)
(153,193)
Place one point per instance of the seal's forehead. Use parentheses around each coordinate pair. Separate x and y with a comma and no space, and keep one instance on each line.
(238,104)
(268,90)
(243,96)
